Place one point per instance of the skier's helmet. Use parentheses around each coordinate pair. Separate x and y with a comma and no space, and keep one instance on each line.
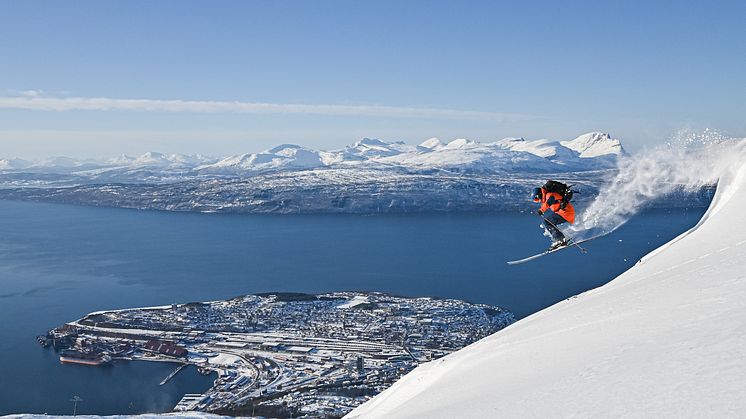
(536,194)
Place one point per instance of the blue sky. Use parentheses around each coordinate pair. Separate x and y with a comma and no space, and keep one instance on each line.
(227,77)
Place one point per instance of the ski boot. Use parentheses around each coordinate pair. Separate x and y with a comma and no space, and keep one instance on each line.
(557,244)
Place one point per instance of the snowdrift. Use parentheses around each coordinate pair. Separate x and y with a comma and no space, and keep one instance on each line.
(665,339)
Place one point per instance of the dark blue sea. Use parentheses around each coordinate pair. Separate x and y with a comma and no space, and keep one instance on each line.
(59,262)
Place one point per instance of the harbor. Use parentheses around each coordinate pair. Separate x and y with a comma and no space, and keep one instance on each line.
(281,354)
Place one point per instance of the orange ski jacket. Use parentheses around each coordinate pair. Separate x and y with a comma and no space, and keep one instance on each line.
(553,201)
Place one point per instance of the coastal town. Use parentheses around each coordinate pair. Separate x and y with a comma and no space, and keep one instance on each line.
(283,354)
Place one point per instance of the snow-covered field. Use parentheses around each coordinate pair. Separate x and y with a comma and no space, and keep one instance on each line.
(665,339)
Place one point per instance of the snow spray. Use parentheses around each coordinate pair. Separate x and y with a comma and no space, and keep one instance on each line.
(688,162)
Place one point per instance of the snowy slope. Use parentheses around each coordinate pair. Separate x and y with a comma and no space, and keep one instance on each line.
(665,339)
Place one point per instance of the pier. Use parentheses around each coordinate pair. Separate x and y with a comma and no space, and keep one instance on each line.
(173,373)
(189,402)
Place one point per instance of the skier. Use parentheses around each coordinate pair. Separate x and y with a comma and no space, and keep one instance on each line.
(555,209)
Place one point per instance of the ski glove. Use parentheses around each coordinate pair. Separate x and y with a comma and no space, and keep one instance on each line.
(540,212)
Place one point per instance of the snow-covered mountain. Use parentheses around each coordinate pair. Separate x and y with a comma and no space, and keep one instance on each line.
(547,149)
(283,157)
(371,149)
(591,151)
(665,339)
(594,149)
(369,176)
(462,155)
(155,159)
(595,144)
(14,164)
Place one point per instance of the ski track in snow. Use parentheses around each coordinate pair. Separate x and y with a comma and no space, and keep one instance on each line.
(652,174)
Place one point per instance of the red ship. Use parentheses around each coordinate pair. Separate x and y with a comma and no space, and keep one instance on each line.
(78,357)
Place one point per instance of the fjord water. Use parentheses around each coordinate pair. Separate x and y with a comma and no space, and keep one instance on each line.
(59,262)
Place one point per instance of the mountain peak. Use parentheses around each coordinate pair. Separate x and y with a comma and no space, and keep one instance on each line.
(460,143)
(432,143)
(371,142)
(283,147)
(595,144)
(151,157)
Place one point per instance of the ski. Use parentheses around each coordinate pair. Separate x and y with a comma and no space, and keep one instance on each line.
(546,252)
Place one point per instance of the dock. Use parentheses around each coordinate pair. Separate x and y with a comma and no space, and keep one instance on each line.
(173,373)
(189,402)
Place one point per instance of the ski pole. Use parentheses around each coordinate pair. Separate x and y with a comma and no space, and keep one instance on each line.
(566,236)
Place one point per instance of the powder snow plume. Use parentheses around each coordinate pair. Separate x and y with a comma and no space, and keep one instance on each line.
(688,162)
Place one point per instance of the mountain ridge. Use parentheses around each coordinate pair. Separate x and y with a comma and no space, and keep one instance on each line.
(590,151)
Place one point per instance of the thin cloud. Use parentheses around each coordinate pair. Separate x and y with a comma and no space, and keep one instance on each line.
(38,102)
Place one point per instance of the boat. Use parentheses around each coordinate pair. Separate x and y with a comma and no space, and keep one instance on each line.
(43,340)
(77,357)
(204,370)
